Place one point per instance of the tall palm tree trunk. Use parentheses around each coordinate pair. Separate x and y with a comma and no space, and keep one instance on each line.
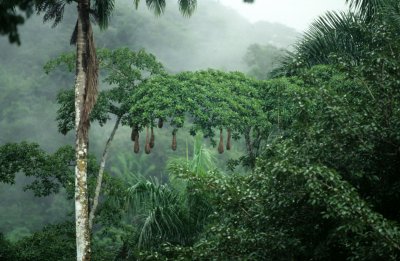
(85,97)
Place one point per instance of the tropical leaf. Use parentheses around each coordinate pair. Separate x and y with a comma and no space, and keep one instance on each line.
(367,8)
(336,34)
(187,7)
(53,10)
(161,213)
(102,12)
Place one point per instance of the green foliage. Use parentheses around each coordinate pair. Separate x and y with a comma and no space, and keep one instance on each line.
(57,242)
(50,171)
(319,191)
(10,19)
(36,98)
(368,8)
(125,166)
(347,38)
(329,37)
(173,213)
(352,226)
(202,160)
(164,218)
(143,93)
(325,184)
(7,251)
(124,69)
(101,11)
(37,247)
(187,7)
(195,94)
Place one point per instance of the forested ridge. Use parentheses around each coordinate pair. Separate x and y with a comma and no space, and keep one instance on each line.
(211,138)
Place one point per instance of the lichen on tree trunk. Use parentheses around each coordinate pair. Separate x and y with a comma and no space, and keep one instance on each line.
(85,97)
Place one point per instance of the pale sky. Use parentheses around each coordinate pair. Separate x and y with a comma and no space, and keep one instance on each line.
(294,13)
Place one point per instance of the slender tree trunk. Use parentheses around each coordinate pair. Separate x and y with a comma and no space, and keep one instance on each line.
(100,176)
(85,97)
(81,197)
(247,139)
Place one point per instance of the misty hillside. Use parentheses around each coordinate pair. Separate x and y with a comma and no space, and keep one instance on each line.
(214,36)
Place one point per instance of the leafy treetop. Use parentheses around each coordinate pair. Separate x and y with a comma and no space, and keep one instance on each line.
(142,92)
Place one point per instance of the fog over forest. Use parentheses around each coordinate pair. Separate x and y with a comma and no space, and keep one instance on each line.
(214,37)
(199,130)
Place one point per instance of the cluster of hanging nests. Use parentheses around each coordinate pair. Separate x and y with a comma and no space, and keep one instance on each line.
(150,139)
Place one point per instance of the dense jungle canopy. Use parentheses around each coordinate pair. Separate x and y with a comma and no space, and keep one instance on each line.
(211,138)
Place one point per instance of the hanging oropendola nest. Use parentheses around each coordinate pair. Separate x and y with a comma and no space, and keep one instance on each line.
(147,149)
(173,145)
(228,140)
(160,123)
(221,142)
(152,138)
(136,147)
(135,131)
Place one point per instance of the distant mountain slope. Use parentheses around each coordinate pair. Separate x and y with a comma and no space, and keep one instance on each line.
(215,36)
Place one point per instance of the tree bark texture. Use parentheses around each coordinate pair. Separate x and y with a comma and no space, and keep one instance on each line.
(85,97)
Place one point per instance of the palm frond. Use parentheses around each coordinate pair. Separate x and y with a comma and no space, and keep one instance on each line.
(53,10)
(391,12)
(203,159)
(366,8)
(157,6)
(163,223)
(187,7)
(334,32)
(340,34)
(163,213)
(102,12)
